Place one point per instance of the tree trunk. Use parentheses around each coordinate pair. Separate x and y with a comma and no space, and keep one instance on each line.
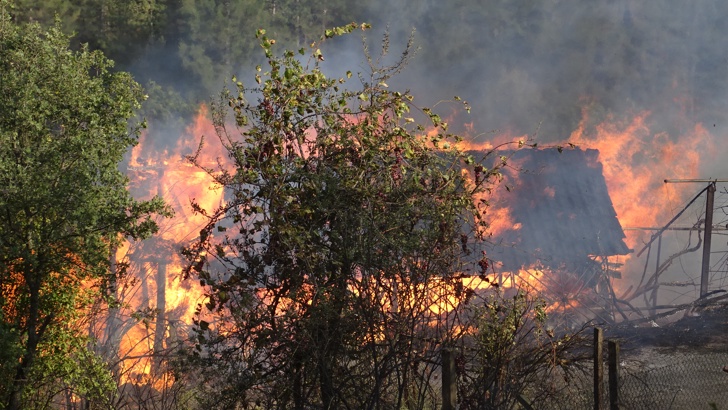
(329,338)
(32,330)
(161,325)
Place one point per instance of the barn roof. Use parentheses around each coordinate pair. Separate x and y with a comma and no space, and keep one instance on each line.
(561,210)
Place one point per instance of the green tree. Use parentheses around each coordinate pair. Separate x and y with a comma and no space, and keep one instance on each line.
(514,356)
(44,12)
(298,23)
(64,127)
(217,39)
(218,36)
(123,30)
(344,224)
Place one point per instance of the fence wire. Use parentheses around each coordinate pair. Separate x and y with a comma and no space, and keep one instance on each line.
(682,381)
(659,381)
(649,379)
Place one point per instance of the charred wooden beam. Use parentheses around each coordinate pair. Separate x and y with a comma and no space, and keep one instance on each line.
(712,181)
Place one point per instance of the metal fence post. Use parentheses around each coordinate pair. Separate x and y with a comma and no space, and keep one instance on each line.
(449,381)
(707,235)
(613,347)
(598,369)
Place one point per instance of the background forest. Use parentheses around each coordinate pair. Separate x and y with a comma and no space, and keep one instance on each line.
(529,67)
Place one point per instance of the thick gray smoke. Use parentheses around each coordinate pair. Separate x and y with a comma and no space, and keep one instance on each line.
(526,67)
(531,67)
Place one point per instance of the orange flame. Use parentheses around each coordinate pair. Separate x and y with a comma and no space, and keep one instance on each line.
(637,161)
(634,159)
(157,263)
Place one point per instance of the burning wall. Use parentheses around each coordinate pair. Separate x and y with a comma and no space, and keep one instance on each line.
(156,304)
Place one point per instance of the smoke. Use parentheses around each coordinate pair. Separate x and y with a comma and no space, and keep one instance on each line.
(530,67)
(555,69)
(526,67)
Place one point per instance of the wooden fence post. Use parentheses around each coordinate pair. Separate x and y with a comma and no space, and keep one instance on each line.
(598,369)
(613,375)
(449,381)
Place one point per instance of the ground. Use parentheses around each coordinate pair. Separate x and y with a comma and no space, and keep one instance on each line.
(676,361)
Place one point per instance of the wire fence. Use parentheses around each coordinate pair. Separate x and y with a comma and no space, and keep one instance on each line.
(675,381)
(664,378)
(652,379)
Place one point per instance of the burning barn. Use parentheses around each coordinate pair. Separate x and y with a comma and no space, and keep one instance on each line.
(560,210)
(555,227)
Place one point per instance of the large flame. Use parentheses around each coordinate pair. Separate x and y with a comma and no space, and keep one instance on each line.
(635,162)
(159,304)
